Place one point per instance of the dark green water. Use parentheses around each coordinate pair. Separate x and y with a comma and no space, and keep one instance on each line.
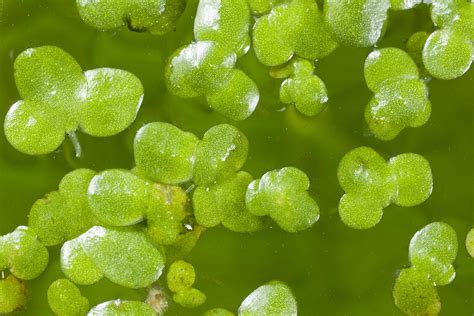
(332,269)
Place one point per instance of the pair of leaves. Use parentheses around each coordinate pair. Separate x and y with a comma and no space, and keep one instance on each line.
(180,279)
(166,154)
(294,28)
(371,184)
(121,198)
(432,251)
(58,98)
(154,16)
(400,99)
(206,68)
(126,257)
(302,87)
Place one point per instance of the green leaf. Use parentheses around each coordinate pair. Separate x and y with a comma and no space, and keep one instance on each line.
(77,265)
(168,18)
(65,298)
(122,308)
(263,6)
(118,197)
(433,250)
(114,97)
(388,64)
(50,76)
(222,152)
(237,99)
(226,22)
(273,298)
(414,293)
(224,202)
(359,23)
(445,12)
(181,275)
(103,15)
(155,16)
(397,105)
(164,153)
(364,172)
(199,68)
(297,28)
(447,54)
(28,128)
(121,198)
(470,242)
(414,47)
(360,211)
(282,194)
(12,295)
(414,179)
(166,214)
(189,297)
(125,257)
(64,214)
(23,254)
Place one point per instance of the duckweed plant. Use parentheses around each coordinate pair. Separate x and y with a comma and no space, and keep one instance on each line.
(101,102)
(128,225)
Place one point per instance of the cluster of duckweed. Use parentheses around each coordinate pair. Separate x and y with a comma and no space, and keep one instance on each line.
(400,97)
(371,184)
(206,67)
(180,279)
(100,102)
(127,225)
(432,251)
